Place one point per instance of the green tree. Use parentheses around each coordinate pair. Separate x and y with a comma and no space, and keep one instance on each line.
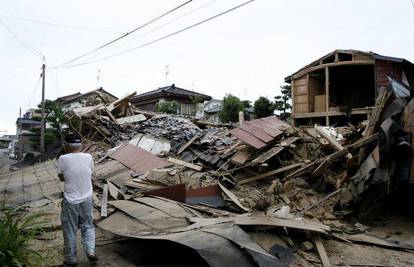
(282,102)
(246,103)
(169,107)
(231,108)
(54,114)
(263,107)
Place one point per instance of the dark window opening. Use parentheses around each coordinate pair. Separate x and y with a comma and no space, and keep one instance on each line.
(329,59)
(352,86)
(344,57)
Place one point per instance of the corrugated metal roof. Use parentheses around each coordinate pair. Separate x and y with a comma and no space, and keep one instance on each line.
(258,133)
(138,159)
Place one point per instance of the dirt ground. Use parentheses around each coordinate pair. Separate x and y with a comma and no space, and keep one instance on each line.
(39,188)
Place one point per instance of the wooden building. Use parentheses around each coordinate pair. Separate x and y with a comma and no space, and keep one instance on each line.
(91,98)
(187,100)
(342,86)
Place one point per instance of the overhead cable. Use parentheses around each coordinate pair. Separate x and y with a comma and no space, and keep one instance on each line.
(163,37)
(126,34)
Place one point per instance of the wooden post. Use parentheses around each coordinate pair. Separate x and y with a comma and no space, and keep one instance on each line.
(42,126)
(292,92)
(327,95)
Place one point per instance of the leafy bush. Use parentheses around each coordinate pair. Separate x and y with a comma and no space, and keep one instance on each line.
(169,107)
(263,107)
(17,229)
(231,108)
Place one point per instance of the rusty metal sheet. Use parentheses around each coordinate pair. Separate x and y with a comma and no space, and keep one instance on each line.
(208,195)
(138,159)
(260,132)
(175,192)
(257,133)
(248,138)
(266,127)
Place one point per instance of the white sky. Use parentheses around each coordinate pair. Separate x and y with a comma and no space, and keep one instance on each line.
(247,52)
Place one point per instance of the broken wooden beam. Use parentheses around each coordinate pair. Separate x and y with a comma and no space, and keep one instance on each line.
(104,201)
(322,252)
(185,164)
(233,197)
(186,145)
(275,150)
(331,140)
(271,173)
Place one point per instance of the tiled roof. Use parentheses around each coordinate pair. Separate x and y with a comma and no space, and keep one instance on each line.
(171,90)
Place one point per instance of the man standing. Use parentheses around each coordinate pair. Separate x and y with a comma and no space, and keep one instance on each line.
(75,169)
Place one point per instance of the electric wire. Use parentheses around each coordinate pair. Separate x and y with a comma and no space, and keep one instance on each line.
(126,34)
(59,25)
(163,25)
(23,43)
(163,37)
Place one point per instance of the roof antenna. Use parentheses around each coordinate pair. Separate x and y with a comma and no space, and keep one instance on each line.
(167,71)
(98,78)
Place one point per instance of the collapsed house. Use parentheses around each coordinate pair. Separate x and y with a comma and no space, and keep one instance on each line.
(90,98)
(163,177)
(343,85)
(187,100)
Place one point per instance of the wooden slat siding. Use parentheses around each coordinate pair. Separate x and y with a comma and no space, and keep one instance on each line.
(301,90)
(257,132)
(248,138)
(300,99)
(292,93)
(300,82)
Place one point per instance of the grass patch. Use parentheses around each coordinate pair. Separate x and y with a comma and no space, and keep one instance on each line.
(17,229)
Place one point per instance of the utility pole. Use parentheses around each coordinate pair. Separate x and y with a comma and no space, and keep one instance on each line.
(20,112)
(42,126)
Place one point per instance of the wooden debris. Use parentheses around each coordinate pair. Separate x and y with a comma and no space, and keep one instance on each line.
(185,146)
(331,140)
(186,164)
(271,173)
(322,253)
(275,150)
(104,202)
(233,197)
(113,190)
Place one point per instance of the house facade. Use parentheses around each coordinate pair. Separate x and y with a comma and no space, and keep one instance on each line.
(91,98)
(187,100)
(343,85)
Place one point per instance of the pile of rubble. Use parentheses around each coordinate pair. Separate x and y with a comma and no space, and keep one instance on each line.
(259,192)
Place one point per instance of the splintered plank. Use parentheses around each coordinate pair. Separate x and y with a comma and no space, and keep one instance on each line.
(186,164)
(275,150)
(322,253)
(271,173)
(233,197)
(186,145)
(104,203)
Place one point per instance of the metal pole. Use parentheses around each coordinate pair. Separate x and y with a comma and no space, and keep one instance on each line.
(42,127)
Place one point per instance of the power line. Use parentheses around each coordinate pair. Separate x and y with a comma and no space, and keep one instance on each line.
(163,37)
(59,25)
(126,34)
(23,43)
(171,21)
(162,25)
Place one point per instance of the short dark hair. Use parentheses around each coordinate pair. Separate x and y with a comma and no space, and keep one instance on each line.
(73,138)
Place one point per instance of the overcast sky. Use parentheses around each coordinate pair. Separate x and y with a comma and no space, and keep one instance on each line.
(247,52)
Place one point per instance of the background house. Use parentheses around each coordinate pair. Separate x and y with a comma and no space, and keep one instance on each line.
(212,109)
(25,134)
(90,98)
(187,100)
(343,85)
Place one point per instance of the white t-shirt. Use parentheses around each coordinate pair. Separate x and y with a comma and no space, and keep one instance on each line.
(77,172)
